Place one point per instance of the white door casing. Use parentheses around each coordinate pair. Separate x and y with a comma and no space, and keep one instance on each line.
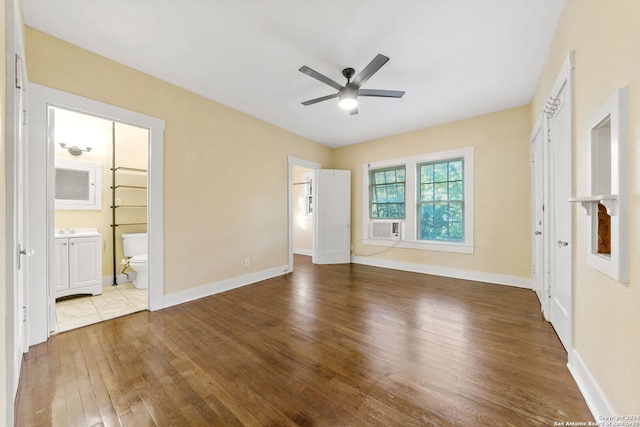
(41,200)
(332,224)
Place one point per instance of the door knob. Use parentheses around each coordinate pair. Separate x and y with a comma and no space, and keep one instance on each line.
(27,252)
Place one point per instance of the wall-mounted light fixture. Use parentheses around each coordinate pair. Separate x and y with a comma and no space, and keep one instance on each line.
(74,150)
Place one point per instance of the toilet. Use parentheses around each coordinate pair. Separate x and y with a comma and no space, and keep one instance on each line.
(135,249)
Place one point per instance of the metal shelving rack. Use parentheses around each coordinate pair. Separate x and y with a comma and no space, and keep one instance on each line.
(115,207)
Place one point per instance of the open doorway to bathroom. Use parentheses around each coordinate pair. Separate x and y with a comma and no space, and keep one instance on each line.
(100,194)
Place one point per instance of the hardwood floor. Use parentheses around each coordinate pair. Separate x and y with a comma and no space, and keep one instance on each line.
(324,346)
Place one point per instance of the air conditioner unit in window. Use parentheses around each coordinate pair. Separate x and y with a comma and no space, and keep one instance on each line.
(391,230)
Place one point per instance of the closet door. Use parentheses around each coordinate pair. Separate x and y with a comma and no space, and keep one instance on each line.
(332,228)
(559,115)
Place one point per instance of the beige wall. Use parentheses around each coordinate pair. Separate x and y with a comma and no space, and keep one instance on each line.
(606,38)
(302,223)
(225,173)
(131,142)
(502,217)
(3,221)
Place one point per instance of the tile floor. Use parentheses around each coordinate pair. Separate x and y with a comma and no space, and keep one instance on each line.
(84,310)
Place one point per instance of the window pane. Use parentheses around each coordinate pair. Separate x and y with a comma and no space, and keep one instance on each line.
(455,170)
(455,190)
(455,212)
(441,190)
(426,192)
(441,198)
(440,172)
(392,193)
(455,231)
(387,193)
(426,173)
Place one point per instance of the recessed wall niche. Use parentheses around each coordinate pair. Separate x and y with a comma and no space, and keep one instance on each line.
(607,203)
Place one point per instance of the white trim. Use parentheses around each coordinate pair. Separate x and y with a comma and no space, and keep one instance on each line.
(591,391)
(460,248)
(409,239)
(616,110)
(299,251)
(42,202)
(222,286)
(456,273)
(291,161)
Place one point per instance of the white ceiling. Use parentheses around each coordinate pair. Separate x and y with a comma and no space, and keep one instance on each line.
(454,58)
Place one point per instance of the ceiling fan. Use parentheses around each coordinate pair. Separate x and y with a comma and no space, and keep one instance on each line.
(348,94)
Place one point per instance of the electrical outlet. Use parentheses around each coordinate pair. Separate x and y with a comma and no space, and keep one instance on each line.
(247,262)
(118,202)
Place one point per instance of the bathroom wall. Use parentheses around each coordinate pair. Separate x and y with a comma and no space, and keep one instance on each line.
(302,222)
(131,143)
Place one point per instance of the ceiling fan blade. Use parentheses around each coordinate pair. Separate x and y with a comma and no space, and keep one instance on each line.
(316,75)
(383,93)
(322,98)
(370,70)
(353,111)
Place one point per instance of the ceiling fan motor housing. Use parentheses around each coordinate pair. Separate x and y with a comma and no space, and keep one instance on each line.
(348,73)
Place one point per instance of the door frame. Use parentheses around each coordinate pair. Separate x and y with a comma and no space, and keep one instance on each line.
(539,185)
(291,162)
(41,201)
(16,330)
(554,233)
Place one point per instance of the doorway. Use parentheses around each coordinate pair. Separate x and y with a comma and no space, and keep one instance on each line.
(329,198)
(301,207)
(100,193)
(41,317)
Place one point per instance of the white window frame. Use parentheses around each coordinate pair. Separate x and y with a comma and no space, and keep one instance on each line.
(409,223)
(95,185)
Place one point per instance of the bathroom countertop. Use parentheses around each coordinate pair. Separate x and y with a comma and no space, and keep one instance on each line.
(76,232)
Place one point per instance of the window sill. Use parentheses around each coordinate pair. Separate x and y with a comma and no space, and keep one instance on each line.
(460,248)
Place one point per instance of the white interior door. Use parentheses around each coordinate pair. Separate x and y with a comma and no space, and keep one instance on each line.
(539,241)
(17,231)
(560,247)
(332,224)
(20,215)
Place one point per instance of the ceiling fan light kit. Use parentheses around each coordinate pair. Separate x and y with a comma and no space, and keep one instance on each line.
(348,97)
(348,94)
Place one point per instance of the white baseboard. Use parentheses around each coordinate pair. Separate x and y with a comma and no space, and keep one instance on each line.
(591,391)
(299,251)
(122,278)
(221,286)
(498,279)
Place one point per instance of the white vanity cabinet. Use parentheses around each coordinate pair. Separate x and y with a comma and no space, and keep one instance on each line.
(78,261)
